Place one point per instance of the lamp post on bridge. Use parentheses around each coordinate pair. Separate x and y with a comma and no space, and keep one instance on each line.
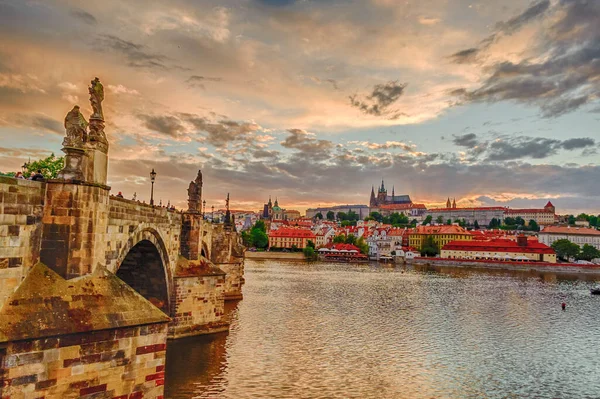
(203,208)
(212,214)
(152,178)
(24,167)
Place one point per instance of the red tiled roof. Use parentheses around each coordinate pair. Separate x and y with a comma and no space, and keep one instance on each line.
(443,229)
(570,230)
(549,204)
(402,206)
(510,210)
(347,247)
(294,233)
(498,245)
(481,208)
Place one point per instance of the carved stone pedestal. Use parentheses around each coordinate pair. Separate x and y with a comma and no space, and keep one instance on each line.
(74,161)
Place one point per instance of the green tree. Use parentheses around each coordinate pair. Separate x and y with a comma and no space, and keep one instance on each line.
(341,239)
(476,225)
(519,221)
(429,248)
(494,223)
(398,219)
(309,253)
(330,215)
(294,248)
(427,220)
(594,221)
(533,226)
(247,238)
(351,239)
(259,238)
(311,244)
(319,216)
(565,249)
(353,216)
(439,220)
(583,216)
(588,252)
(414,222)
(509,221)
(449,222)
(260,225)
(363,246)
(376,216)
(571,220)
(8,174)
(346,223)
(341,216)
(50,166)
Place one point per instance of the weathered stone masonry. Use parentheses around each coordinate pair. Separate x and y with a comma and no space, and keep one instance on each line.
(91,286)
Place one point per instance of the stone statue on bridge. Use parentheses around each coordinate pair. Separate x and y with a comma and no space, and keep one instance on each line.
(96,91)
(97,137)
(195,194)
(76,127)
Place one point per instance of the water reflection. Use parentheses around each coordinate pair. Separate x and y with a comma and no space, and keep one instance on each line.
(371,331)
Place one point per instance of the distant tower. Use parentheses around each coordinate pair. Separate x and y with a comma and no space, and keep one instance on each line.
(393,195)
(382,194)
(373,200)
(454,203)
(448,203)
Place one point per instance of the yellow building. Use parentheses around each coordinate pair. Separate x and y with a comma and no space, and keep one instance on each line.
(288,238)
(442,235)
(499,249)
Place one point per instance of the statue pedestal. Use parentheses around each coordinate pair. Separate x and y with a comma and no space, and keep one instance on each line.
(74,164)
(96,165)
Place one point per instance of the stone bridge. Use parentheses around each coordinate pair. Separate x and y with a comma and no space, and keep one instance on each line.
(91,285)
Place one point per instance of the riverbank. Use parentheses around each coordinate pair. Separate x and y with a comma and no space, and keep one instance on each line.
(268,255)
(537,266)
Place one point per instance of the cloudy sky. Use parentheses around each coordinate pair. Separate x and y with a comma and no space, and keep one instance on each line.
(313,101)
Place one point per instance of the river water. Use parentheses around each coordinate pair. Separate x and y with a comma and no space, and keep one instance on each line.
(369,331)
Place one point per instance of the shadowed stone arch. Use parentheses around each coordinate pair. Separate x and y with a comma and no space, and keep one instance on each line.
(204,250)
(144,265)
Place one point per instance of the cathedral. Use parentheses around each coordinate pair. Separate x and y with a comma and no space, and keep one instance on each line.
(383,198)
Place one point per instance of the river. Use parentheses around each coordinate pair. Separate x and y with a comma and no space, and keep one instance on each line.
(369,331)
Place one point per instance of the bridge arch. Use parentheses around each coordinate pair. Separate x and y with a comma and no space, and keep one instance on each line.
(143,264)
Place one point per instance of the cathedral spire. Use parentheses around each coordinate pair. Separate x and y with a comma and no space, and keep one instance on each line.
(393,192)
(454,203)
(448,203)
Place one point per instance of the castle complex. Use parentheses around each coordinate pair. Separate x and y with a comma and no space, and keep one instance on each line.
(383,198)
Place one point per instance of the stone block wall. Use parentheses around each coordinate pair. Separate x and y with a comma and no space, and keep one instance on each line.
(199,305)
(21,208)
(234,280)
(127,219)
(112,364)
(74,224)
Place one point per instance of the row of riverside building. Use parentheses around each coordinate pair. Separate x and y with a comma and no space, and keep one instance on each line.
(452,241)
(386,204)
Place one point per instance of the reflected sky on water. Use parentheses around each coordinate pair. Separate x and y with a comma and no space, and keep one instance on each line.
(370,331)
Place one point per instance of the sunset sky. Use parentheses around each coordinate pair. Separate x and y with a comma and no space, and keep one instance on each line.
(314,101)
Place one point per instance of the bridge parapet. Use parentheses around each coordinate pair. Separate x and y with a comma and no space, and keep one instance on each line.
(21,207)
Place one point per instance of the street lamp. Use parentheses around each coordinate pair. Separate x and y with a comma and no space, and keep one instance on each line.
(212,214)
(203,208)
(24,167)
(152,178)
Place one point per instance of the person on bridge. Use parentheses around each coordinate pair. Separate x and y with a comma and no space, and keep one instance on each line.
(120,195)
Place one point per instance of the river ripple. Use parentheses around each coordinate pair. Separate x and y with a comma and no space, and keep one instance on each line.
(366,331)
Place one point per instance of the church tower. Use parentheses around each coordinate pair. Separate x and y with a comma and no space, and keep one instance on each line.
(448,203)
(373,200)
(382,194)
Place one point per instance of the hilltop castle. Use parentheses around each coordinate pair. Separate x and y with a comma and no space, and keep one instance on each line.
(383,198)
